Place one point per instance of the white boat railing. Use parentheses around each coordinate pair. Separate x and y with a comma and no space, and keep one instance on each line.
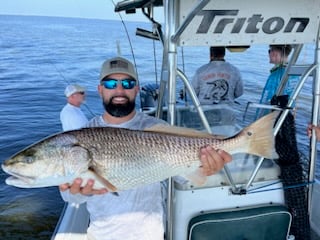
(73,223)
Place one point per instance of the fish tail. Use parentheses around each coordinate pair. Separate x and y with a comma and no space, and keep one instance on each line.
(262,142)
(258,138)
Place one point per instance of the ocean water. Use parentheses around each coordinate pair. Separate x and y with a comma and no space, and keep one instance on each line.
(39,56)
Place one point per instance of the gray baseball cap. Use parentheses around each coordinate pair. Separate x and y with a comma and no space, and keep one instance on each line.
(118,65)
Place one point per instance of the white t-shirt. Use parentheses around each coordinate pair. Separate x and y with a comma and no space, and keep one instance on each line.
(217,82)
(72,117)
(136,214)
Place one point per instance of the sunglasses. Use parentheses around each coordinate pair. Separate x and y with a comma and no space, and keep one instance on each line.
(110,83)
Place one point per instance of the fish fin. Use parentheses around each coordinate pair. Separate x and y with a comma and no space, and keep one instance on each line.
(258,138)
(100,182)
(109,185)
(181,131)
(196,178)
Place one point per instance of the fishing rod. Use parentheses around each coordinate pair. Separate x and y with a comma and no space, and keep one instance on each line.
(128,36)
(303,184)
(130,43)
(152,35)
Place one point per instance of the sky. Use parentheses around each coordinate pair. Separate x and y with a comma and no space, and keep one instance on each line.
(100,9)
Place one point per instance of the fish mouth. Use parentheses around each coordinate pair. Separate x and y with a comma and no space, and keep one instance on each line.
(16,176)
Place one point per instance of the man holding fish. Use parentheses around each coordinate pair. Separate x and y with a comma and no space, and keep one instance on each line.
(137,213)
(129,154)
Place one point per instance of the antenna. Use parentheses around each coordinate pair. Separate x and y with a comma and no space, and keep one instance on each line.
(118,48)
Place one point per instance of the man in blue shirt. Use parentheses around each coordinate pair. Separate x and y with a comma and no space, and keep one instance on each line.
(278,55)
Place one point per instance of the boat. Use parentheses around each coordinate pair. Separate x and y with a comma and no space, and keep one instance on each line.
(248,199)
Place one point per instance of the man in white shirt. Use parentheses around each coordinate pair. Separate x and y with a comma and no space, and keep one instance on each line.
(71,116)
(135,214)
(217,84)
(217,81)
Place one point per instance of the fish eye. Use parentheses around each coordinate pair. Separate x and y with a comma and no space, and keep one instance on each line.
(29,156)
(29,159)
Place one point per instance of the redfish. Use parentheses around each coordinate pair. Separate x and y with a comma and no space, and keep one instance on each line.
(120,159)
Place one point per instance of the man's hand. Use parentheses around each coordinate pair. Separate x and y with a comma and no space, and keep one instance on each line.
(75,188)
(316,129)
(213,160)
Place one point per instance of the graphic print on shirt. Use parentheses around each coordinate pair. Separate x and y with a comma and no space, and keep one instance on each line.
(217,90)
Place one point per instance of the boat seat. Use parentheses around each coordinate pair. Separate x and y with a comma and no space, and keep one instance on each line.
(259,223)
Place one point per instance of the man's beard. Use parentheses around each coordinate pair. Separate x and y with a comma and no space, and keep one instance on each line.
(119,110)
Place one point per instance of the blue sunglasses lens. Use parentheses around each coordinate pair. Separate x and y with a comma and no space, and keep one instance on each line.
(112,83)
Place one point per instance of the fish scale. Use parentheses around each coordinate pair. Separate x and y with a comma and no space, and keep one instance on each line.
(134,159)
